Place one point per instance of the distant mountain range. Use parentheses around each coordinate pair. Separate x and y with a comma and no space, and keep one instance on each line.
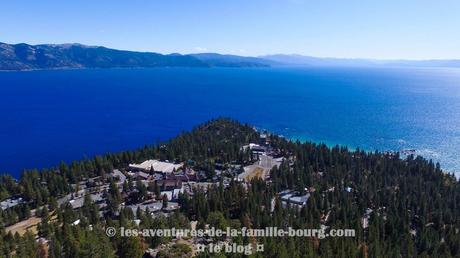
(64,56)
(299,60)
(214,59)
(27,57)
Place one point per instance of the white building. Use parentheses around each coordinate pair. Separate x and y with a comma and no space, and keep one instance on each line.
(157,166)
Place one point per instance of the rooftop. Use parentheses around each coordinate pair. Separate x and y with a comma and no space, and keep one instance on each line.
(8,203)
(156,165)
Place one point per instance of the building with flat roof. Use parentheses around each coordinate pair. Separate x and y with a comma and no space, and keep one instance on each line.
(154,207)
(10,202)
(156,166)
(293,198)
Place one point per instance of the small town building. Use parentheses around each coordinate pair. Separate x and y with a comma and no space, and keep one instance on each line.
(156,166)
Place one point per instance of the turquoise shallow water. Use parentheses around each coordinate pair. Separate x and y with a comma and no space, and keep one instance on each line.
(49,116)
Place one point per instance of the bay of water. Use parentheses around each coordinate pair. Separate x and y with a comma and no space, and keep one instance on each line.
(49,116)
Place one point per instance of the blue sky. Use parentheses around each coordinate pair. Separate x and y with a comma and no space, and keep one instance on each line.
(385,29)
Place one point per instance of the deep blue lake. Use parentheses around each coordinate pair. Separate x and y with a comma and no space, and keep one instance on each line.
(49,116)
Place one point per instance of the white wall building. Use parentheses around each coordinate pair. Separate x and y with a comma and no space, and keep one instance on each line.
(157,166)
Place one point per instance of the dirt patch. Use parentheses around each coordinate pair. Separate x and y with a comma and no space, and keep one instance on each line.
(258,172)
(22,226)
(29,224)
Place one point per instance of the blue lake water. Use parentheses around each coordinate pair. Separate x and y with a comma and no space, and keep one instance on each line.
(49,116)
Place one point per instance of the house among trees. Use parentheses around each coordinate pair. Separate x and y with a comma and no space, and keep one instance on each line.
(11,202)
(254,148)
(293,198)
(264,139)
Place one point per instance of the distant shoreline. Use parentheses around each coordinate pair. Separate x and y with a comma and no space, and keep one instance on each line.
(23,56)
(291,139)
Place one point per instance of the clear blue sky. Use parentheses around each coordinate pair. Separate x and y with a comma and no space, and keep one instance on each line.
(410,29)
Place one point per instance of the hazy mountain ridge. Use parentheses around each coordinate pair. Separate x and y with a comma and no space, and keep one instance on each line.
(300,60)
(64,56)
(233,60)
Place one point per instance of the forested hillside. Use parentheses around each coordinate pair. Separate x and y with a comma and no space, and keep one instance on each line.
(411,208)
(64,56)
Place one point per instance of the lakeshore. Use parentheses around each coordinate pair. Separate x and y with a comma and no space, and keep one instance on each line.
(216,178)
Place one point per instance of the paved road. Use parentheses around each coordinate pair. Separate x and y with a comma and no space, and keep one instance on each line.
(265,162)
